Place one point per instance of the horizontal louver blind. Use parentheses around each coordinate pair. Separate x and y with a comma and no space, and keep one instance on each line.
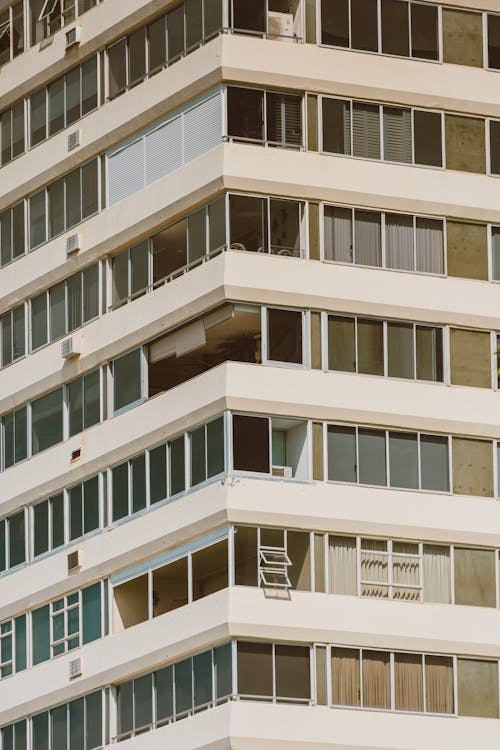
(397,135)
(126,171)
(162,149)
(366,131)
(202,127)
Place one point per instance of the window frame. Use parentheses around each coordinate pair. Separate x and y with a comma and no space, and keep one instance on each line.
(381,105)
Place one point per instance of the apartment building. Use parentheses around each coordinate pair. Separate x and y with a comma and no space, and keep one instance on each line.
(249,375)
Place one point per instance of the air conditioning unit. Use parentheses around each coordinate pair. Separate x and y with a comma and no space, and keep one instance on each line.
(75,668)
(280,26)
(72,243)
(282,471)
(73,36)
(70,348)
(74,561)
(73,140)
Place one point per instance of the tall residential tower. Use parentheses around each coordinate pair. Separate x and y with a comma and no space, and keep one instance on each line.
(249,409)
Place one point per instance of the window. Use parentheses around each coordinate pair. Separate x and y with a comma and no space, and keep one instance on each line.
(15,442)
(12,336)
(64,203)
(493,32)
(65,307)
(284,336)
(84,402)
(144,52)
(265,225)
(12,131)
(207,451)
(159,258)
(64,101)
(12,646)
(167,584)
(15,735)
(370,131)
(48,524)
(411,243)
(12,243)
(364,345)
(47,16)
(281,125)
(12,541)
(274,672)
(127,380)
(389,569)
(67,623)
(408,29)
(46,421)
(358,455)
(175,691)
(372,679)
(75,724)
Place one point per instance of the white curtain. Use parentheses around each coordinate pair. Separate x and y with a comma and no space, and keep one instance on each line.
(342,564)
(436,573)
(368,251)
(338,234)
(430,256)
(374,568)
(399,242)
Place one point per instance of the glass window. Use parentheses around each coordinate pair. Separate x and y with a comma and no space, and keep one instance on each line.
(428,148)
(157,474)
(137,57)
(47,420)
(255,669)
(434,466)
(338,240)
(376,679)
(38,230)
(342,461)
(364,25)
(57,311)
(370,346)
(401,349)
(367,238)
(157,45)
(177,465)
(127,380)
(38,117)
(424,31)
(117,68)
(249,18)
(175,33)
(403,460)
(372,459)
(335,23)
(341,343)
(284,335)
(251,443)
(336,125)
(89,85)
(245,113)
(292,668)
(56,105)
(395,27)
(493,41)
(248,223)
(90,189)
